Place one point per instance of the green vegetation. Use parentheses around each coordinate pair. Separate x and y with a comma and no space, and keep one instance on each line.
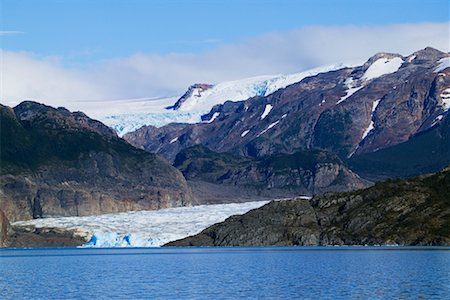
(30,144)
(203,163)
(331,132)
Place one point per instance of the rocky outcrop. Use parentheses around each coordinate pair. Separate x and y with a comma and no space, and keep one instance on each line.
(346,112)
(402,212)
(57,163)
(194,90)
(216,176)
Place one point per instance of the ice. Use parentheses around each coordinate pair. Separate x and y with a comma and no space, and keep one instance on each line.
(130,114)
(146,228)
(382,66)
(351,89)
(245,133)
(444,63)
(125,123)
(246,88)
(371,125)
(267,110)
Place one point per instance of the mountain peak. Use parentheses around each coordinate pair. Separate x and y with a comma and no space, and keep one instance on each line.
(195,89)
(429,53)
(381,55)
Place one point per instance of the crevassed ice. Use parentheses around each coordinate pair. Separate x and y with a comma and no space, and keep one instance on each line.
(128,115)
(146,228)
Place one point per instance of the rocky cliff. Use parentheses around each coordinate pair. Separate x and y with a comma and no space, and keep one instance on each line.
(400,212)
(349,112)
(58,163)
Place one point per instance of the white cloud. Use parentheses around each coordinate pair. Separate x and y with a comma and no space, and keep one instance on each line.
(26,76)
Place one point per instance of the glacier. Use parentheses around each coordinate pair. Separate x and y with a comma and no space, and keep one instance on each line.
(145,228)
(128,115)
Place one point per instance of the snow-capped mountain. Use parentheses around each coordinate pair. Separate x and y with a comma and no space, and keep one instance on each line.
(197,101)
(350,111)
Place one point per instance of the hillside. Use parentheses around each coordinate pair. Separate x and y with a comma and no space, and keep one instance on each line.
(58,163)
(399,212)
(351,112)
(226,177)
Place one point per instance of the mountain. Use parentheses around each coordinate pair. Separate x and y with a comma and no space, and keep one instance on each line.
(223,177)
(423,153)
(128,115)
(58,163)
(349,112)
(400,212)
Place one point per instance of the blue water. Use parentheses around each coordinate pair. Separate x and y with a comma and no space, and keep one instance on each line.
(226,273)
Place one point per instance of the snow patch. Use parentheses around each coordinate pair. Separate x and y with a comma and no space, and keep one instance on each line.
(173,140)
(268,128)
(267,110)
(351,89)
(444,63)
(245,133)
(146,228)
(437,120)
(214,116)
(411,58)
(382,66)
(371,125)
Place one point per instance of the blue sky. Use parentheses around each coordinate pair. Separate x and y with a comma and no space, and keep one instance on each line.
(61,52)
(89,30)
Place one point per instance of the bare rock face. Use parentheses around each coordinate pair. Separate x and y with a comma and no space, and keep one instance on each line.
(194,90)
(346,112)
(4,229)
(402,212)
(55,163)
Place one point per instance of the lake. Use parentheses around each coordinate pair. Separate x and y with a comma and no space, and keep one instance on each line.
(226,273)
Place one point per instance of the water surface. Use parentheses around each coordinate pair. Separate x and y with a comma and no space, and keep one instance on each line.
(226,273)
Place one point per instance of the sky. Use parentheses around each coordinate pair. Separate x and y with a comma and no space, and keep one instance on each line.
(57,51)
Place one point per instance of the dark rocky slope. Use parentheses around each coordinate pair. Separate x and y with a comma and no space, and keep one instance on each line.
(58,163)
(313,114)
(403,212)
(34,237)
(423,153)
(223,177)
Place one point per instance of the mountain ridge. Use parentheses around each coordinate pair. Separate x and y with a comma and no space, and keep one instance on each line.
(349,111)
